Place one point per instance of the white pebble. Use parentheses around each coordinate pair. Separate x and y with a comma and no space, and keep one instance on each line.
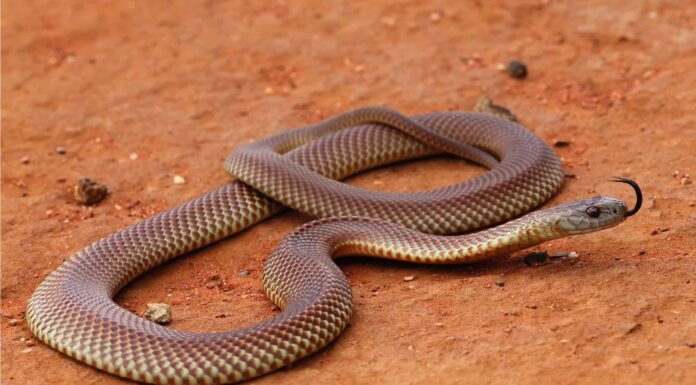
(133,156)
(178,179)
(159,313)
(409,278)
(572,255)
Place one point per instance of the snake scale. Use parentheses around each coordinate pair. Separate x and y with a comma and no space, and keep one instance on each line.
(73,311)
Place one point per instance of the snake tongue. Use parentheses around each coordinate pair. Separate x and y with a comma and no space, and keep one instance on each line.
(639,194)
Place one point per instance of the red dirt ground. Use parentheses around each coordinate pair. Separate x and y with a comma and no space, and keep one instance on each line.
(181,84)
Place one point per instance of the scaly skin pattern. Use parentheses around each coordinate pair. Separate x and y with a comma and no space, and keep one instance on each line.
(73,311)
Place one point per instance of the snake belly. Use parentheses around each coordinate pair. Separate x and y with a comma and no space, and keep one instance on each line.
(73,311)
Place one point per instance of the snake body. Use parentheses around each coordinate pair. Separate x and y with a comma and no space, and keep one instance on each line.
(73,311)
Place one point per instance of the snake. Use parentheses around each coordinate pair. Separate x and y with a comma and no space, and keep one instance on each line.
(73,310)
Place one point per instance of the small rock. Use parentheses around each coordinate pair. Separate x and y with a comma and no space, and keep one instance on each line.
(500,67)
(439,324)
(60,150)
(27,350)
(572,255)
(486,105)
(178,179)
(24,160)
(133,156)
(561,143)
(30,342)
(409,278)
(532,306)
(89,192)
(243,273)
(159,313)
(375,289)
(13,322)
(633,328)
(690,344)
(642,252)
(500,282)
(517,69)
(210,285)
(686,179)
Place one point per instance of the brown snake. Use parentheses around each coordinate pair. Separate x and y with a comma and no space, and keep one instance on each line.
(73,311)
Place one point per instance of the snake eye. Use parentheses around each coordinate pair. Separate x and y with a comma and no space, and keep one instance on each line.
(593,211)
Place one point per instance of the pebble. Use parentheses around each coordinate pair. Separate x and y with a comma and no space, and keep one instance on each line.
(13,322)
(178,179)
(633,328)
(133,156)
(89,192)
(30,342)
(60,150)
(27,350)
(686,179)
(409,278)
(244,273)
(517,69)
(561,143)
(500,282)
(486,105)
(572,255)
(500,67)
(24,160)
(159,313)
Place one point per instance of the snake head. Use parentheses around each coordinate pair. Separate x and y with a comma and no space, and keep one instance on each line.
(588,215)
(597,213)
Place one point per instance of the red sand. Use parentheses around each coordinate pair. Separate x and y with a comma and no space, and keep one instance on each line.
(181,85)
